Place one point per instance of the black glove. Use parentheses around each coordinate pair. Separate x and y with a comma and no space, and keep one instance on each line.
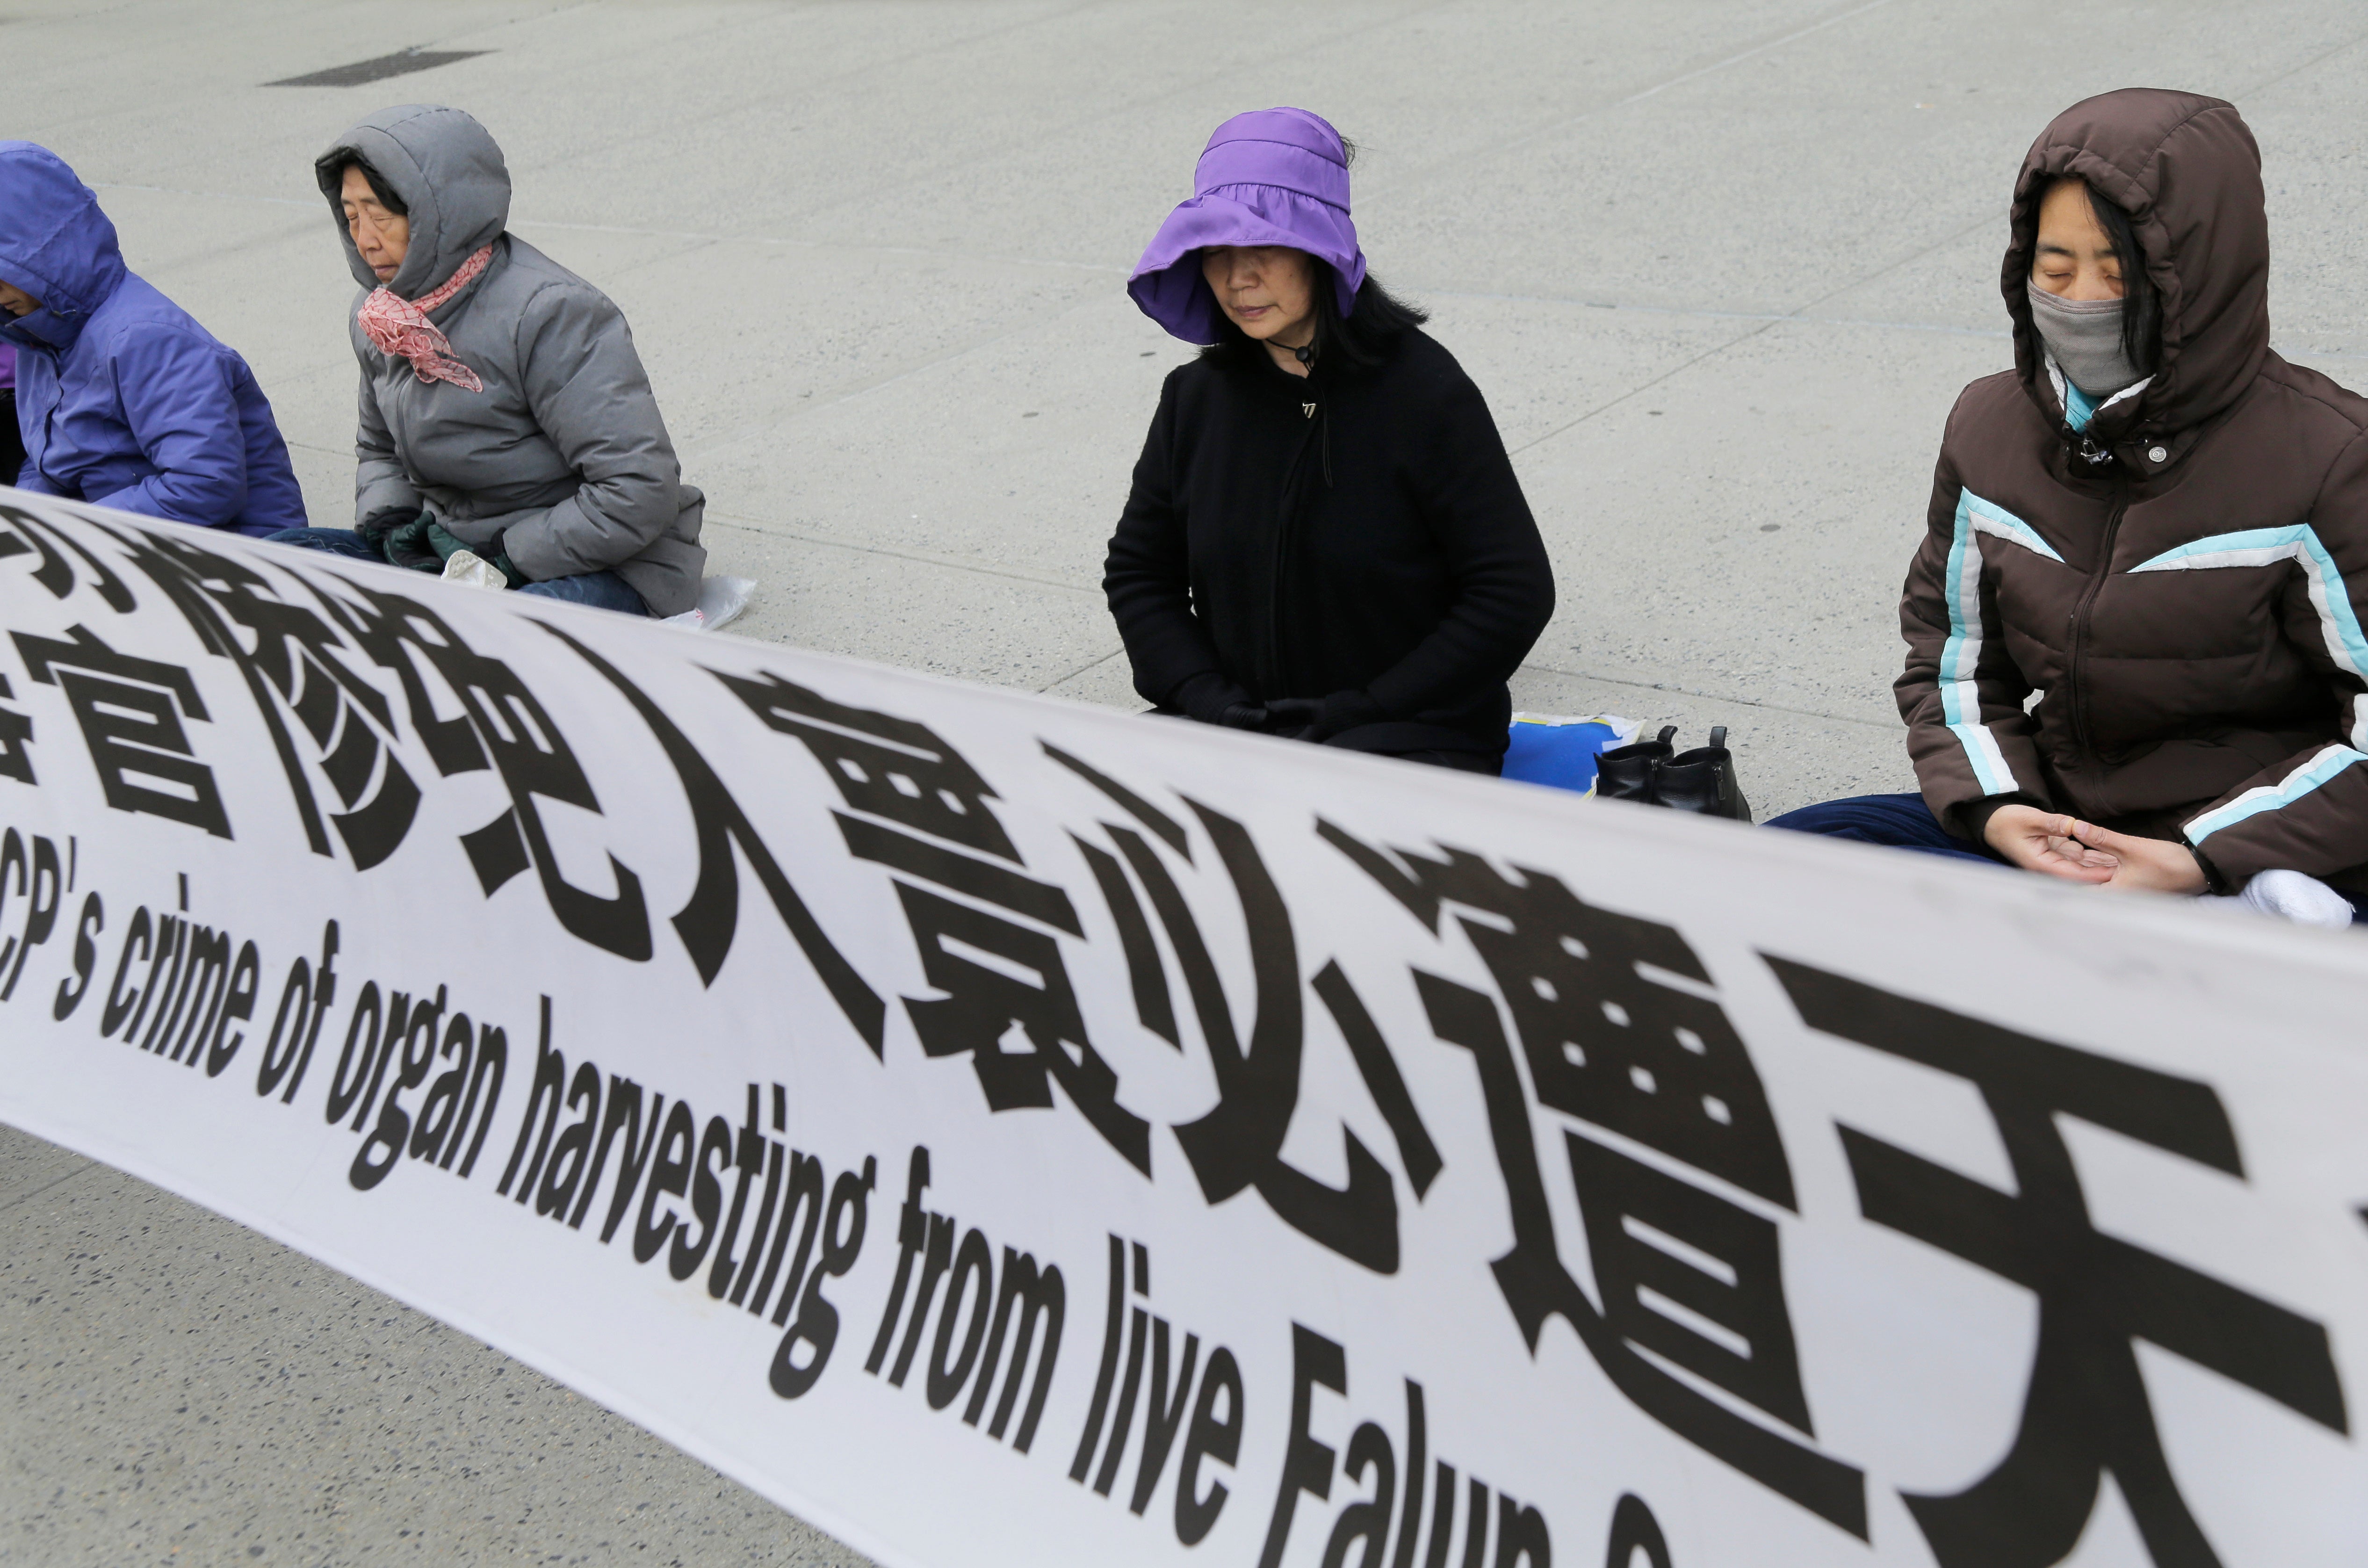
(375,527)
(1291,717)
(1341,711)
(493,553)
(441,541)
(408,546)
(447,545)
(1210,699)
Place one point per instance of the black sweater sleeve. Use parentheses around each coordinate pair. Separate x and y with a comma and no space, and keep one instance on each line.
(1504,584)
(1147,576)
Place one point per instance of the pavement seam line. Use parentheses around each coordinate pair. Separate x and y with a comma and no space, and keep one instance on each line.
(1462,160)
(708,448)
(1639,389)
(1751,53)
(926,558)
(24,1198)
(2317,59)
(1708,696)
(1768,325)
(1118,651)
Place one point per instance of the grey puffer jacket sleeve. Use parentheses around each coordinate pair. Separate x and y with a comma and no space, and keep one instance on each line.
(379,480)
(584,382)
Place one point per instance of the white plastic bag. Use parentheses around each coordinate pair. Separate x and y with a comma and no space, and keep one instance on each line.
(720,600)
(471,570)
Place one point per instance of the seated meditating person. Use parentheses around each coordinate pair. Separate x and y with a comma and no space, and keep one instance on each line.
(503,409)
(2158,526)
(121,398)
(1325,539)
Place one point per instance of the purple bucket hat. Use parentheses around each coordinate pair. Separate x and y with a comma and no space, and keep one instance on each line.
(1275,176)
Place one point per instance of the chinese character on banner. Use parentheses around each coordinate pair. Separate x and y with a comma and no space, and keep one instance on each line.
(22,533)
(2086,1410)
(292,658)
(15,739)
(500,724)
(1238,1144)
(708,922)
(1626,1045)
(989,934)
(131,711)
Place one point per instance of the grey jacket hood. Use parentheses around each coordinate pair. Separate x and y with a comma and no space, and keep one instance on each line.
(447,168)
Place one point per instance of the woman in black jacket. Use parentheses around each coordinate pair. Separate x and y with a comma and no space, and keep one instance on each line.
(1325,539)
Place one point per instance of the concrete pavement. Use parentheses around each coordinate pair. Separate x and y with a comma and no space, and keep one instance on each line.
(1720,267)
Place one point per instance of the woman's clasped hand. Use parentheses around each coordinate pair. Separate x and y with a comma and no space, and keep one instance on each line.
(2065,847)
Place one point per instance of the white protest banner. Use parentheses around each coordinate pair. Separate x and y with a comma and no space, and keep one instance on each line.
(1011,1133)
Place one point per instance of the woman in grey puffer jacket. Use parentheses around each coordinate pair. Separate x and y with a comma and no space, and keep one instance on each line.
(503,407)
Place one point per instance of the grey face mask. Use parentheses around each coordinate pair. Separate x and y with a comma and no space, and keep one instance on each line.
(2085,337)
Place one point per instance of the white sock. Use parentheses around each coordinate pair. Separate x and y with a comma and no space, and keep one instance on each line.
(2290,896)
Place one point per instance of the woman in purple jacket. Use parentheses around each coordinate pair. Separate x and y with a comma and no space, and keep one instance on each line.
(122,399)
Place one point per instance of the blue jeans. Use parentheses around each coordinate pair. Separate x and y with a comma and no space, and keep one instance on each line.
(601,590)
(1897,822)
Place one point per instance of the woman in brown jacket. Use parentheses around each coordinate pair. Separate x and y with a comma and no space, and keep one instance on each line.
(2155,523)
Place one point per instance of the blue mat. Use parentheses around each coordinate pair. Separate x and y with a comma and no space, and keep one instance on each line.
(1562,752)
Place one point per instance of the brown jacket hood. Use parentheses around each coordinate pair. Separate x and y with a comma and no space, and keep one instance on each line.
(2186,170)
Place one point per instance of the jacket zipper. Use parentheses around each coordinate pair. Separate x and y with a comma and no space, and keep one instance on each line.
(1286,517)
(48,418)
(2080,611)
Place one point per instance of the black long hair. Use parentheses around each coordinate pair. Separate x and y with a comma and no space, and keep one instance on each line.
(2141,302)
(1362,339)
(379,188)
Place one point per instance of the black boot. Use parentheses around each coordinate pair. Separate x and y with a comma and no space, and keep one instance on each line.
(1626,773)
(1703,781)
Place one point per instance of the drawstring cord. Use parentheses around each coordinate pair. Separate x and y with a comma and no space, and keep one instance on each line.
(1305,355)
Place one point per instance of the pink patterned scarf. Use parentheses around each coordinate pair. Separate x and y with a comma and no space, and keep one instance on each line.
(398,325)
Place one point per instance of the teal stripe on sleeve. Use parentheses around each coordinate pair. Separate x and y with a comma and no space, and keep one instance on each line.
(2330,761)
